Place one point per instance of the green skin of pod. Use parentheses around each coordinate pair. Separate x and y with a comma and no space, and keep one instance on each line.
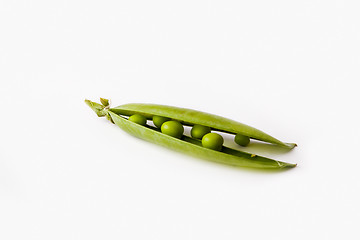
(193,147)
(172,128)
(188,145)
(139,119)
(242,140)
(191,117)
(198,131)
(158,120)
(213,141)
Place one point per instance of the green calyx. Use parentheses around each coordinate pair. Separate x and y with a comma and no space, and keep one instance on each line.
(104,102)
(99,109)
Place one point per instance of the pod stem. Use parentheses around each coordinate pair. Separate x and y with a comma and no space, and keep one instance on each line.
(99,109)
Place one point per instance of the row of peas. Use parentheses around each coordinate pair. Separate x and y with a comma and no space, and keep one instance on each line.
(175,129)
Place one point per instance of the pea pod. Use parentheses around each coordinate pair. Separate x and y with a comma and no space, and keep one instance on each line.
(192,117)
(186,144)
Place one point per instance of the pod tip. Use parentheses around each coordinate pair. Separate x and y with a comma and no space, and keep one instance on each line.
(291,145)
(291,165)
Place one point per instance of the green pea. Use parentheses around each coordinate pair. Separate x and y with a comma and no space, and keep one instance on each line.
(139,119)
(213,141)
(242,140)
(159,120)
(198,131)
(172,128)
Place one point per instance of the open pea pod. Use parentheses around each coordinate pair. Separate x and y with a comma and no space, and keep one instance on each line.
(193,147)
(186,144)
(192,117)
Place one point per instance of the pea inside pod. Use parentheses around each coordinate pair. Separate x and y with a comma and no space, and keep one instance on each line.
(159,120)
(242,140)
(172,128)
(213,141)
(189,145)
(198,131)
(139,119)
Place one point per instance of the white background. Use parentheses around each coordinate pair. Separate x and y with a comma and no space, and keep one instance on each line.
(289,68)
